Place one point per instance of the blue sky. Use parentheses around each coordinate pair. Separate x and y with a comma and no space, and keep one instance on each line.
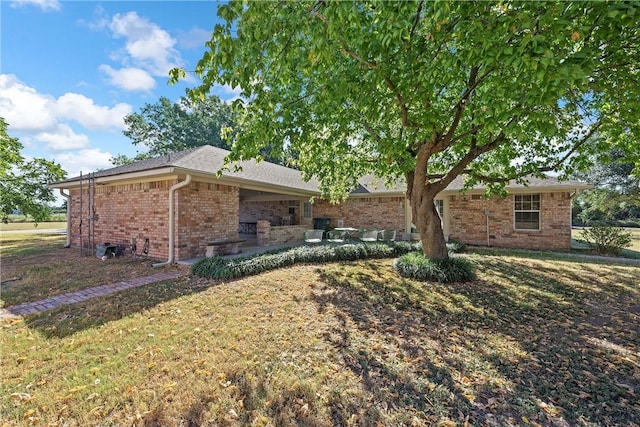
(70,71)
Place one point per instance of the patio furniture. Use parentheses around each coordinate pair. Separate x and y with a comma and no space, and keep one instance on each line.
(369,235)
(336,236)
(313,236)
(388,235)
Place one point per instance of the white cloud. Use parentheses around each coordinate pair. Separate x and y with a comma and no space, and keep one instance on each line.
(74,106)
(147,45)
(45,5)
(64,138)
(129,79)
(227,93)
(85,160)
(27,110)
(23,108)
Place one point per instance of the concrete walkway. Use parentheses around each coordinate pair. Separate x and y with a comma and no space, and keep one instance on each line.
(85,294)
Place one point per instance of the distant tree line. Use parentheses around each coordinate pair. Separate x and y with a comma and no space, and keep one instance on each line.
(615,200)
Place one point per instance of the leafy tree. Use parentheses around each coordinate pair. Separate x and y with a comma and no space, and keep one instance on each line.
(24,184)
(428,90)
(166,127)
(616,196)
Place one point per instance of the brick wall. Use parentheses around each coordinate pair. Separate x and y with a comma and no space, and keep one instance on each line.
(468,222)
(122,213)
(370,212)
(206,212)
(141,211)
(272,211)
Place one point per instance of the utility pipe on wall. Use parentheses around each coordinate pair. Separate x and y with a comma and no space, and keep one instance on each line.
(68,197)
(172,240)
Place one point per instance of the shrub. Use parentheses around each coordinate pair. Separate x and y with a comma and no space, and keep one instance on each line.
(414,265)
(231,268)
(454,247)
(605,239)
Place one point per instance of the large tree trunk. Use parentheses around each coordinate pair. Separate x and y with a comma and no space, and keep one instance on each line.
(427,221)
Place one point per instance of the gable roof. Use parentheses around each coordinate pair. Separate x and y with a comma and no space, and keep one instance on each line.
(208,160)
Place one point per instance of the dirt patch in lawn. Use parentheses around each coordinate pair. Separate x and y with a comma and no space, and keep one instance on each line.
(35,267)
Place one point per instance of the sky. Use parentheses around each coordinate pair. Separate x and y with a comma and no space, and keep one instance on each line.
(70,71)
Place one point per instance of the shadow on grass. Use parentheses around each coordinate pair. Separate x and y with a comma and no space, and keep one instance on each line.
(549,342)
(69,319)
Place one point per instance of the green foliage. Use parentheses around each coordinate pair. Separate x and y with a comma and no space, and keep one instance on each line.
(453,246)
(615,200)
(415,265)
(24,184)
(427,91)
(166,127)
(231,268)
(606,239)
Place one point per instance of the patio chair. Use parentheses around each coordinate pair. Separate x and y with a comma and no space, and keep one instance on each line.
(369,235)
(313,236)
(388,235)
(336,236)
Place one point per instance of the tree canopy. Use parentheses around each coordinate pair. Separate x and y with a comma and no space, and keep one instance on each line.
(429,90)
(24,184)
(616,196)
(165,127)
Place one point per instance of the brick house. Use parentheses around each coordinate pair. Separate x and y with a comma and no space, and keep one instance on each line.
(177,203)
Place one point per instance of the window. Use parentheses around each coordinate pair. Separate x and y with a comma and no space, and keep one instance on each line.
(307,210)
(527,211)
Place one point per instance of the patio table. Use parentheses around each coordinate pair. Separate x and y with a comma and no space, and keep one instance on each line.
(348,230)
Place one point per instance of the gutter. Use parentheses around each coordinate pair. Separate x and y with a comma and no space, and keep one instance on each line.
(68,197)
(172,215)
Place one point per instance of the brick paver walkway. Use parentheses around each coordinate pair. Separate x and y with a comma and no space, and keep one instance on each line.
(85,294)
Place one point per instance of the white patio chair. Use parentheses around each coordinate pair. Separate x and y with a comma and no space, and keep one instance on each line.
(313,236)
(388,235)
(369,235)
(336,236)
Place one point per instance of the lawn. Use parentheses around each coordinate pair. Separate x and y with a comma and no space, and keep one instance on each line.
(14,226)
(632,251)
(37,266)
(536,340)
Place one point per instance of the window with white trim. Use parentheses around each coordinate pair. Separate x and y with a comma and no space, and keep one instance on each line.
(307,210)
(526,211)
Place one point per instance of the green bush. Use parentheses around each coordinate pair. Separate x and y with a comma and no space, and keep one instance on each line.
(454,247)
(414,265)
(605,239)
(231,268)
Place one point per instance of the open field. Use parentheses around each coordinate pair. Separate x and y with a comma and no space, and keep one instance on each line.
(536,340)
(18,226)
(16,218)
(576,233)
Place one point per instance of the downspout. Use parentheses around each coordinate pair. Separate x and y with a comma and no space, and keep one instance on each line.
(68,197)
(172,215)
(486,213)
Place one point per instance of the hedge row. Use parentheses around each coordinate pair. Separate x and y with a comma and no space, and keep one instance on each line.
(231,268)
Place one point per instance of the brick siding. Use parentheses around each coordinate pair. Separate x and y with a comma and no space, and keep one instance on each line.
(272,211)
(468,222)
(209,211)
(369,212)
(122,213)
(206,212)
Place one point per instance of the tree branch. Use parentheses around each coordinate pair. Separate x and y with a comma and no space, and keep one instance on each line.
(417,19)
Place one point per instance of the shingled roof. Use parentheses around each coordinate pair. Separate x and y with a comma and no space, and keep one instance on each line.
(208,160)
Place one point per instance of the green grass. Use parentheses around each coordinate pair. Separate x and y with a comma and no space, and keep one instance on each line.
(37,266)
(537,339)
(632,251)
(14,226)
